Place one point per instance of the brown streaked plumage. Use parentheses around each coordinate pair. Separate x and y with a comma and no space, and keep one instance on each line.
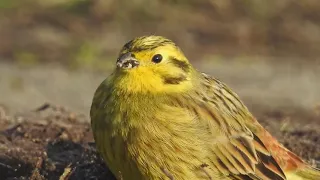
(165,120)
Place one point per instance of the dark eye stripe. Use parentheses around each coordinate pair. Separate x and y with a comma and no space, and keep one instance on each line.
(174,80)
(180,64)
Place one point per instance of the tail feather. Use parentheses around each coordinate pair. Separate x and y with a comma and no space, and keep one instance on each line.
(308,173)
(292,165)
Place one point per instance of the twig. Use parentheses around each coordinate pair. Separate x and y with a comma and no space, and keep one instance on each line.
(43,107)
(35,173)
(7,166)
(67,173)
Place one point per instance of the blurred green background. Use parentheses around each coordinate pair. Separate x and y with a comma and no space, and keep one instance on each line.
(89,33)
(59,50)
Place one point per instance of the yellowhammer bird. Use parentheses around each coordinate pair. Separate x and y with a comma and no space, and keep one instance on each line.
(156,117)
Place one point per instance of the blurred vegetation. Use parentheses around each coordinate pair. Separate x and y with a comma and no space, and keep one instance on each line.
(89,33)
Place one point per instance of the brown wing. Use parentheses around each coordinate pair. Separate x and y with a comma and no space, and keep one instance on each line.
(287,160)
(243,156)
(237,151)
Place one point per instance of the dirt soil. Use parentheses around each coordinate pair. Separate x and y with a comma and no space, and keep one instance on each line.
(51,142)
(48,143)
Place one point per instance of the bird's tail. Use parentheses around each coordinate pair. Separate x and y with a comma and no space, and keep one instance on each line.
(307,173)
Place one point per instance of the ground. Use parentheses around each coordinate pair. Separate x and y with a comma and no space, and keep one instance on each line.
(48,145)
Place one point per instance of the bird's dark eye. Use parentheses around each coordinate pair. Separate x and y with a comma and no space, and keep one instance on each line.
(157,58)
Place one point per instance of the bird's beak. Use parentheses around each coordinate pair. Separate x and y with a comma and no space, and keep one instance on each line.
(127,61)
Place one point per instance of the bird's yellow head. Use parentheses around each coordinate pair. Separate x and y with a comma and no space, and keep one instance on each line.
(152,64)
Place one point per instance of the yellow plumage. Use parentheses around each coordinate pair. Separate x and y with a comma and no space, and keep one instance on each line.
(156,117)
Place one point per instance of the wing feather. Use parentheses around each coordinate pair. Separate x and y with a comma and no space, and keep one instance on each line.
(237,152)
